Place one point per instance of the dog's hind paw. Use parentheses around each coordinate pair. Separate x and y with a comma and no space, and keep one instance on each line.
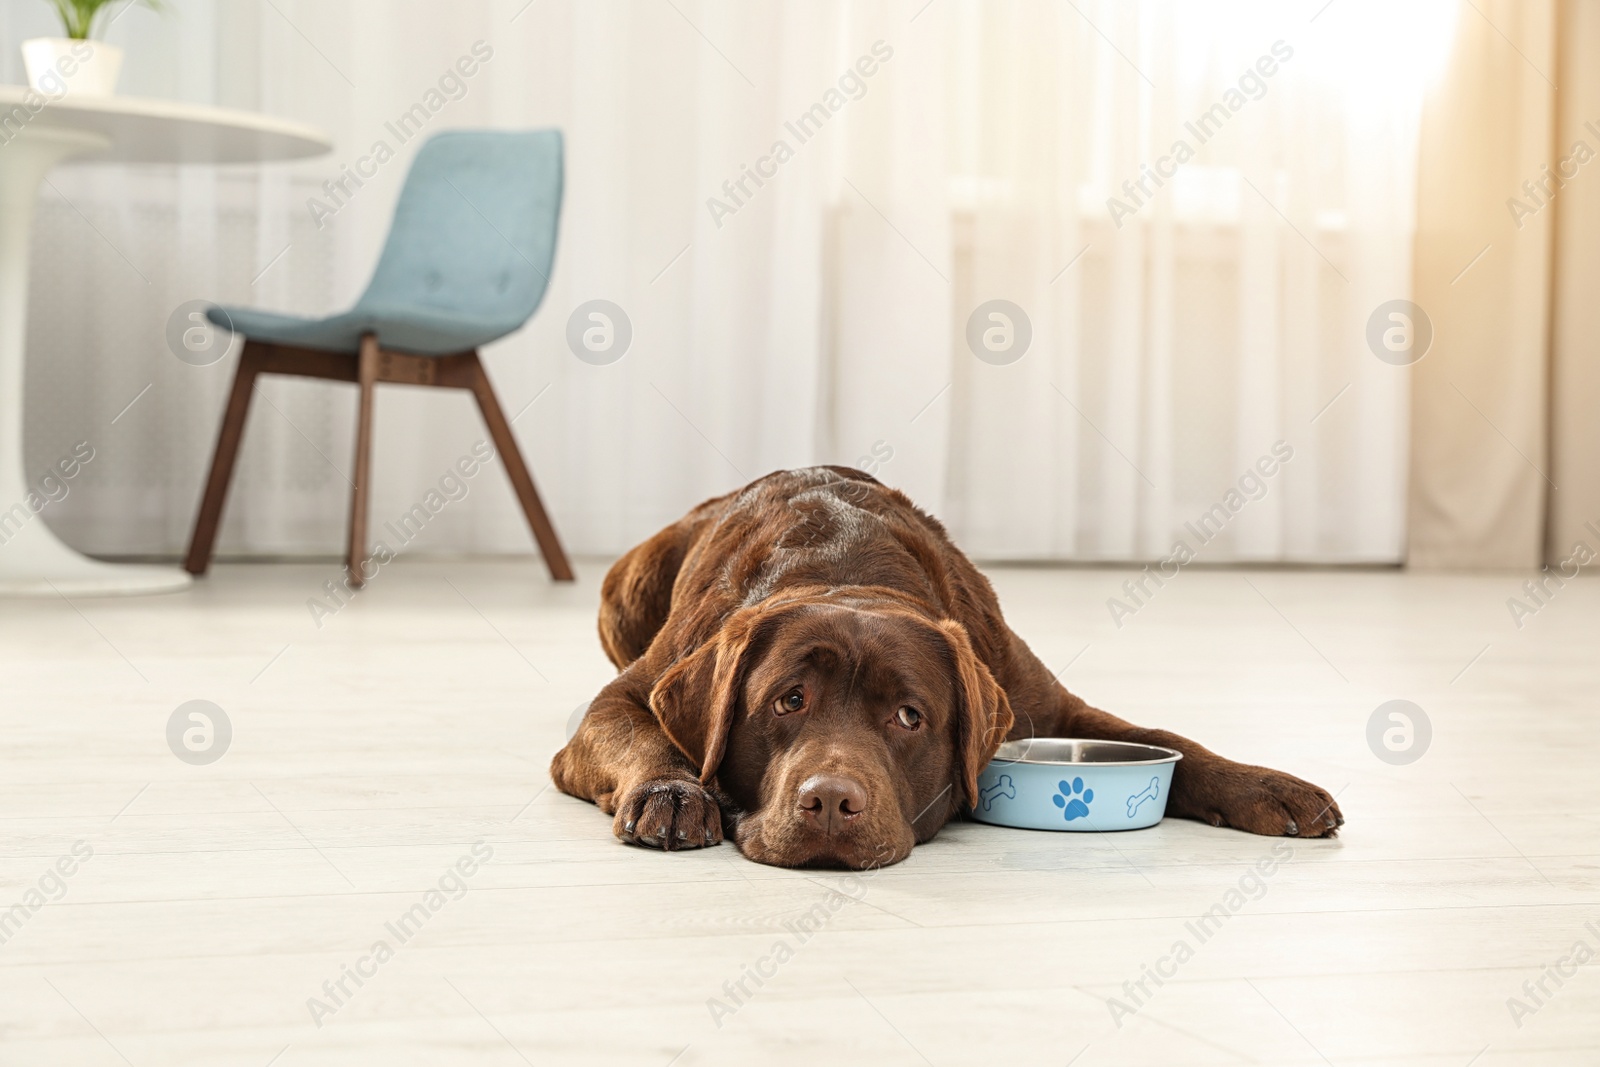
(668,813)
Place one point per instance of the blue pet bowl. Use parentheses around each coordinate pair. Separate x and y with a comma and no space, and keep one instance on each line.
(1056,783)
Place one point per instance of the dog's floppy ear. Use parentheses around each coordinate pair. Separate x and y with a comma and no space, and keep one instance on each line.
(984,716)
(694,699)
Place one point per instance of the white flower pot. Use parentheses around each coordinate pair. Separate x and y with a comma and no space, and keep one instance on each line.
(58,66)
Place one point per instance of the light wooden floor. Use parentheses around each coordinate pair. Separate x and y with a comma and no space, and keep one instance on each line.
(370,754)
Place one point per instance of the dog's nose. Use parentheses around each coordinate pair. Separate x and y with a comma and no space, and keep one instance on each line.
(828,802)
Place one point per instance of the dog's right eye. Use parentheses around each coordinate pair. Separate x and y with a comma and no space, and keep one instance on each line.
(792,701)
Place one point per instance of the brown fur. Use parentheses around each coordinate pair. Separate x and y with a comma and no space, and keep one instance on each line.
(824,583)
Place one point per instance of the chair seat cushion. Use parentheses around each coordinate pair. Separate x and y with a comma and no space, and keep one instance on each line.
(416,329)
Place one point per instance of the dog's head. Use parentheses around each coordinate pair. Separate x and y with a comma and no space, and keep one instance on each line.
(846,730)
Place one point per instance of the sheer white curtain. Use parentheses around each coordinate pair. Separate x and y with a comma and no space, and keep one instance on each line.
(1182,328)
(788,306)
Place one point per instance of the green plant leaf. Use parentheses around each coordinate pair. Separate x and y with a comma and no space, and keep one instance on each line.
(79,16)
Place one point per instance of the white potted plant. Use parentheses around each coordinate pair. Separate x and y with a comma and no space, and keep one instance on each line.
(76,62)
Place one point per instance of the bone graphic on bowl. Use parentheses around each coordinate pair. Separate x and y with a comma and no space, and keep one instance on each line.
(1002,788)
(1149,793)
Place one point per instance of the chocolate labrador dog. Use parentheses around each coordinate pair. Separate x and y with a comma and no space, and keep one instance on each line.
(811,666)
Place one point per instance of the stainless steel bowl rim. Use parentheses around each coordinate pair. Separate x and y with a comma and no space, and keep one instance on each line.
(1048,751)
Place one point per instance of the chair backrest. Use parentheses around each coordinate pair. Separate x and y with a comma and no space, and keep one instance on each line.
(474,232)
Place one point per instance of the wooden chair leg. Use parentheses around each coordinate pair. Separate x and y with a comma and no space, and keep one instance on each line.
(367,377)
(207,522)
(555,558)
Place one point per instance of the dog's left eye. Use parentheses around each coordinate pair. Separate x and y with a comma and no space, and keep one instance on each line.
(793,700)
(908,717)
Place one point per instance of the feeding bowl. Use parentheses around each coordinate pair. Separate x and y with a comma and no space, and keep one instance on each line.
(1059,783)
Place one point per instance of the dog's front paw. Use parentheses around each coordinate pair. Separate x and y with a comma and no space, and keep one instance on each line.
(1263,801)
(668,813)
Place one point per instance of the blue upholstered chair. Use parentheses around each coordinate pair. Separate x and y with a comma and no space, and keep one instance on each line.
(467,262)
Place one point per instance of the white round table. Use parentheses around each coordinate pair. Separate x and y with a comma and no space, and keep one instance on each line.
(114,129)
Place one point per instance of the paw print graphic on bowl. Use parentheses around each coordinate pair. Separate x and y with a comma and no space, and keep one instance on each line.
(1073,798)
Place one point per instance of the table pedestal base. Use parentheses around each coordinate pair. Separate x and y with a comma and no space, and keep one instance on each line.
(34,563)
(32,560)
